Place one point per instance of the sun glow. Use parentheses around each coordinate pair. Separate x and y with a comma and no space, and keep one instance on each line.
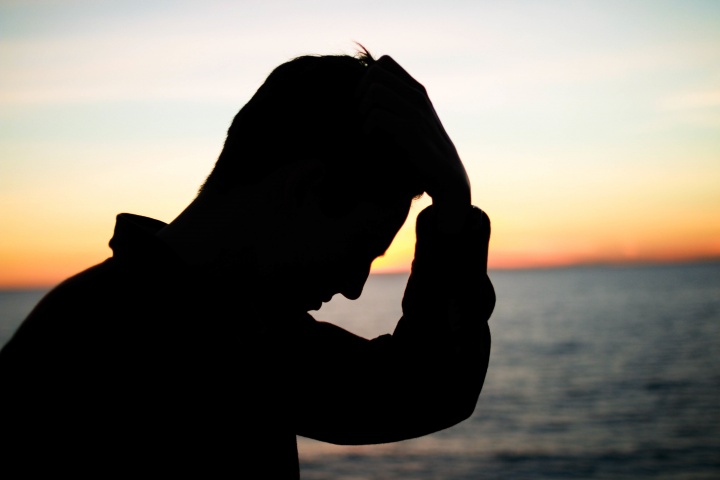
(589,129)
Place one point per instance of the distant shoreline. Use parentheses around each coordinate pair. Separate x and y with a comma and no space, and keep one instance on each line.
(573,266)
(613,264)
(585,265)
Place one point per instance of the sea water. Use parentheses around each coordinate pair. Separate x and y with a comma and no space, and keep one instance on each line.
(595,373)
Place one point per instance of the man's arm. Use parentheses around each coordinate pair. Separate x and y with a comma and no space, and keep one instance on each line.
(424,377)
(394,103)
(427,375)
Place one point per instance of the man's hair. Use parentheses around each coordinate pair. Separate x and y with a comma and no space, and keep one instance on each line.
(308,110)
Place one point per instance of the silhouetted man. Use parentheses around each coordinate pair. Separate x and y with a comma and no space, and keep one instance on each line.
(191,349)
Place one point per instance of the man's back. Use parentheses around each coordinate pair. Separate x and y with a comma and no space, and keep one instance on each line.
(144,361)
(139,362)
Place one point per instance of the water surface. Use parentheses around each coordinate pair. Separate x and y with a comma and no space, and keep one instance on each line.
(595,373)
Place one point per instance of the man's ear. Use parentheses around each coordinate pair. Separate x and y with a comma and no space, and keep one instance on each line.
(302,182)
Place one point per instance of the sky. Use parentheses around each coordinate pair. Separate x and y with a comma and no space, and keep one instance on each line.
(590,130)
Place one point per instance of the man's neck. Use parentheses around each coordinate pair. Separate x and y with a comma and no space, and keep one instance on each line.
(204,232)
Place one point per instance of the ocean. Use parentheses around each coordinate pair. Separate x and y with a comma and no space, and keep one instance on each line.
(595,373)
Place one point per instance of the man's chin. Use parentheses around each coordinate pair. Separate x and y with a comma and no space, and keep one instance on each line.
(316,305)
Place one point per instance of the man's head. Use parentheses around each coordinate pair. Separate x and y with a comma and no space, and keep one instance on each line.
(327,198)
(307,112)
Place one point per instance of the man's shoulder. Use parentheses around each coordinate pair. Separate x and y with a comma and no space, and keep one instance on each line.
(65,305)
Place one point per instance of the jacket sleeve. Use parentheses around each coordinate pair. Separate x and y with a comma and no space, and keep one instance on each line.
(428,374)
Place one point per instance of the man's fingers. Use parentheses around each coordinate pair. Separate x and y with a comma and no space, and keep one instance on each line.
(393,102)
(404,135)
(379,95)
(389,64)
(415,101)
(379,119)
(410,105)
(378,75)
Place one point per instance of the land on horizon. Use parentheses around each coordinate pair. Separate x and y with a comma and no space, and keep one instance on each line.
(586,265)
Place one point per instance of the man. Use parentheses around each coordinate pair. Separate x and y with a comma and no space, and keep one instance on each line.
(191,349)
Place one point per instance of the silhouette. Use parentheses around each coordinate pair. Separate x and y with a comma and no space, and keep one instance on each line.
(191,349)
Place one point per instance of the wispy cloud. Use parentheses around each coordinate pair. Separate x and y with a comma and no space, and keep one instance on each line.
(703,99)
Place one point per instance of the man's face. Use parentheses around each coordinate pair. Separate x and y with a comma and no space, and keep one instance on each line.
(333,255)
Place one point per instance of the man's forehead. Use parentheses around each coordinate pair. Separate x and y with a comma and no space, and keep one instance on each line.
(381,212)
(380,224)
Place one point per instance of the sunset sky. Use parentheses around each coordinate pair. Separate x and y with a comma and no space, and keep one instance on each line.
(590,129)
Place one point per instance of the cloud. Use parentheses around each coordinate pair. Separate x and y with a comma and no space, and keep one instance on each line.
(703,99)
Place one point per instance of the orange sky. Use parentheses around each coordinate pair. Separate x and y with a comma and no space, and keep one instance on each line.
(589,129)
(48,251)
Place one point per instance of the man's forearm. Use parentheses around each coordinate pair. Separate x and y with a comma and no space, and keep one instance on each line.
(447,303)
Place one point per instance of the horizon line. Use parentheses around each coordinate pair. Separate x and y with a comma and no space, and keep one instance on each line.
(563,266)
(650,262)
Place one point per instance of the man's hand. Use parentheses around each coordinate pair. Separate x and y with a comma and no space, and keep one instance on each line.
(394,102)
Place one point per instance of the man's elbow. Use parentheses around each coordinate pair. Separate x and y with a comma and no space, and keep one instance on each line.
(470,386)
(466,407)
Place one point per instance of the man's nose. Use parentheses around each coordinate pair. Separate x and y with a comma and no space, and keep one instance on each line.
(353,286)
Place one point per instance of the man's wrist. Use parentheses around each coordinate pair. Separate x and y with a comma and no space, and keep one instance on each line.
(451,217)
